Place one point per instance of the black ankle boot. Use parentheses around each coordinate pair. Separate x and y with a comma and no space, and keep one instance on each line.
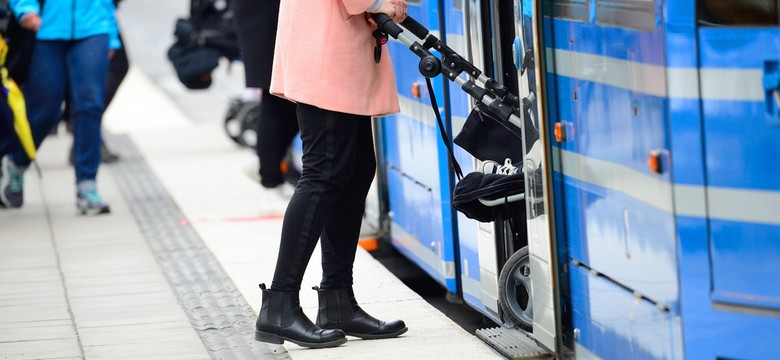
(339,310)
(281,318)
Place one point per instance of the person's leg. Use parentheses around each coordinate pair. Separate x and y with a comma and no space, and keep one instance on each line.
(43,92)
(66,115)
(117,70)
(8,139)
(338,308)
(87,63)
(276,129)
(256,23)
(342,229)
(329,148)
(329,152)
(43,96)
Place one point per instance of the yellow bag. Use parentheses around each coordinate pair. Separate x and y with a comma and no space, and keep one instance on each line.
(15,100)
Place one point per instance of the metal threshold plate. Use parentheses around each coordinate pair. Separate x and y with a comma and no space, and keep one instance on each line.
(512,343)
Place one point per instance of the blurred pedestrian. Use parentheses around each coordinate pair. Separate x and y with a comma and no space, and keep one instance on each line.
(277,126)
(73,43)
(325,63)
(118,65)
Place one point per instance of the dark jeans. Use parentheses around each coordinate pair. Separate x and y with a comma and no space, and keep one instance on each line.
(328,203)
(276,129)
(118,66)
(85,63)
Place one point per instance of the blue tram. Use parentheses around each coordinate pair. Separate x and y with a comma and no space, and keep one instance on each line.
(655,232)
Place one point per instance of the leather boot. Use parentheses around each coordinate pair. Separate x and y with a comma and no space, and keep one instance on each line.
(339,310)
(281,318)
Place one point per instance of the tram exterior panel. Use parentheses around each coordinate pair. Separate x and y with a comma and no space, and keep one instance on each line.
(672,261)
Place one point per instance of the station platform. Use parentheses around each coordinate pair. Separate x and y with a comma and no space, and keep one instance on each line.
(173,271)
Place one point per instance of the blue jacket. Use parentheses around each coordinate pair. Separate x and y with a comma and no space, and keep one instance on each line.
(72,19)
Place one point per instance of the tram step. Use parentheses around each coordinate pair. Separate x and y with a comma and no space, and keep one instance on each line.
(512,343)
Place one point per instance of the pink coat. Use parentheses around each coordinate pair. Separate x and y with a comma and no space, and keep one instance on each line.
(324,57)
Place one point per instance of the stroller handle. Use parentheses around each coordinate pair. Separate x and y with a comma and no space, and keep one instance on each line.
(429,66)
(386,25)
(414,27)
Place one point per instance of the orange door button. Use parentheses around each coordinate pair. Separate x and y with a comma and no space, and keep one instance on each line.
(654,161)
(560,131)
(416,91)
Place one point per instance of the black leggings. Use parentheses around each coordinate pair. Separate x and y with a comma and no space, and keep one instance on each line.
(328,203)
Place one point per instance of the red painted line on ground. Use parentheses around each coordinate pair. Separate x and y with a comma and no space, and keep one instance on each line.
(234,219)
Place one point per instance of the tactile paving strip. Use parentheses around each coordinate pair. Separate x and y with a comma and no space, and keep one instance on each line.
(217,310)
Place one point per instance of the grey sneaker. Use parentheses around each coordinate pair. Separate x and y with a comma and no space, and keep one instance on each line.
(11,184)
(90,203)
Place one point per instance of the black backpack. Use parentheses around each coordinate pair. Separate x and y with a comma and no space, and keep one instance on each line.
(201,40)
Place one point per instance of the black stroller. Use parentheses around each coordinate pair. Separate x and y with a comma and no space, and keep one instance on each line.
(499,118)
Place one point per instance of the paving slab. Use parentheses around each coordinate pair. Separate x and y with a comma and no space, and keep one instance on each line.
(41,349)
(36,330)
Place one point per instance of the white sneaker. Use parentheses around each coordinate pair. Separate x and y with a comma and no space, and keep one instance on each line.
(492,167)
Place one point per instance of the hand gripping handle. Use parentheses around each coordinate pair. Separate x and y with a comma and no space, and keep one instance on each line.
(386,25)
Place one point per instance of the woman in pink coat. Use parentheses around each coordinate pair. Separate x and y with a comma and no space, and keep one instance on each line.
(324,61)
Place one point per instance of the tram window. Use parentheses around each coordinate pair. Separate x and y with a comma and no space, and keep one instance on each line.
(568,9)
(632,14)
(738,13)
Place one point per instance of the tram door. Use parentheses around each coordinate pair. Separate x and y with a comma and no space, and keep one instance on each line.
(501,39)
(739,45)
(537,169)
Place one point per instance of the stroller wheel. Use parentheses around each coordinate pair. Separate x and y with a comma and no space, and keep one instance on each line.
(233,130)
(249,138)
(249,118)
(514,290)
